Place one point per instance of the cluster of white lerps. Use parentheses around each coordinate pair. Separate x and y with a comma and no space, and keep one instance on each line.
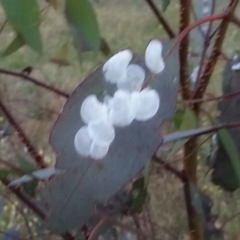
(128,103)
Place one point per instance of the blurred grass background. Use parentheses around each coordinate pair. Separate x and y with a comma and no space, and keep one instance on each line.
(124,24)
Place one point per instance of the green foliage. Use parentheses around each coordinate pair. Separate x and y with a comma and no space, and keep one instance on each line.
(231,149)
(224,161)
(138,195)
(16,44)
(83,22)
(28,187)
(4,173)
(165,4)
(184,120)
(24,16)
(26,165)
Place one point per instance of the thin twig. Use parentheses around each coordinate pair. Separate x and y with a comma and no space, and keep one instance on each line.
(13,167)
(230,219)
(173,137)
(32,205)
(94,232)
(24,139)
(183,49)
(160,18)
(212,60)
(123,226)
(205,48)
(34,81)
(26,200)
(168,167)
(229,95)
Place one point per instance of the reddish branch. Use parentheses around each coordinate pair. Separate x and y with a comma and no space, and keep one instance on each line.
(229,95)
(212,60)
(168,167)
(34,81)
(183,49)
(189,28)
(26,200)
(24,139)
(32,205)
(160,18)
(207,39)
(190,161)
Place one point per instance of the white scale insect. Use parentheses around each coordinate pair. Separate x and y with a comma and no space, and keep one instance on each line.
(128,102)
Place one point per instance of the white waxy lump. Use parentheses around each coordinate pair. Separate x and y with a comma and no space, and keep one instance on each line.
(134,78)
(121,113)
(83,142)
(115,68)
(153,57)
(97,151)
(92,109)
(102,132)
(236,66)
(145,104)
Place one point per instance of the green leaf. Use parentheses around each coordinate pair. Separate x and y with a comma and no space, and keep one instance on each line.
(24,17)
(4,173)
(178,117)
(138,195)
(16,44)
(186,121)
(83,22)
(231,149)
(165,4)
(176,147)
(26,166)
(30,187)
(189,120)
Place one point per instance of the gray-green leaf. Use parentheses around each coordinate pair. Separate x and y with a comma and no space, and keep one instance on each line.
(83,22)
(24,16)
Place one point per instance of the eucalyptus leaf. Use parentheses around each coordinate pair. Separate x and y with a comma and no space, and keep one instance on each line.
(165,4)
(82,20)
(224,157)
(231,149)
(72,196)
(24,16)
(16,44)
(42,174)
